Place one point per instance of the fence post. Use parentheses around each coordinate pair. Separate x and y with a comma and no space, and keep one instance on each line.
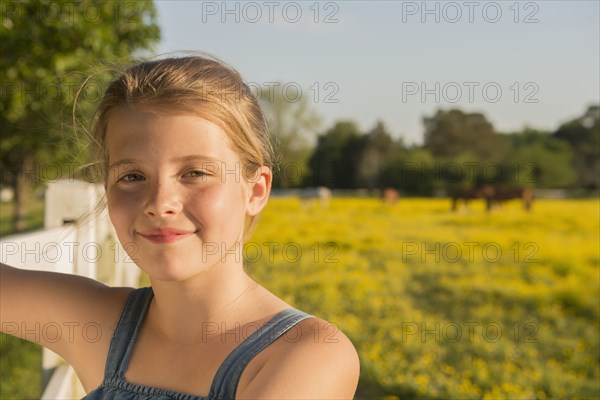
(66,202)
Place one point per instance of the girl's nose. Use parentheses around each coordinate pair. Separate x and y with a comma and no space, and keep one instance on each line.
(163,200)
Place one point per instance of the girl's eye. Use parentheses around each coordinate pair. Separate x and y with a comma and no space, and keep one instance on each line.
(133,177)
(195,174)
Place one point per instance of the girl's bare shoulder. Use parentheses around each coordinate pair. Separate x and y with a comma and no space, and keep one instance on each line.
(314,359)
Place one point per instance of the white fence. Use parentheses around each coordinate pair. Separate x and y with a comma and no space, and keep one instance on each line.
(77,240)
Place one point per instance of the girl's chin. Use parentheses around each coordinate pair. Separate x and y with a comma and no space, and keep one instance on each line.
(174,271)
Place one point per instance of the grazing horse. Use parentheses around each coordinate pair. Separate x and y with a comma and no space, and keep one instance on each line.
(467,194)
(320,193)
(390,195)
(502,194)
(493,196)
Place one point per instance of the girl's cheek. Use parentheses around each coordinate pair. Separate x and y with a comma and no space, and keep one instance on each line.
(120,195)
(215,198)
(121,204)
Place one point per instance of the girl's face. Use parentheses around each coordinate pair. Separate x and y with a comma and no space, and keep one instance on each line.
(176,191)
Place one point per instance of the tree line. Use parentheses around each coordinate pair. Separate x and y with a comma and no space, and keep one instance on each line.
(460,149)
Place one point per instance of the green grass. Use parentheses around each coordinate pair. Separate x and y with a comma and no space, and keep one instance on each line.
(20,369)
(33,220)
(20,361)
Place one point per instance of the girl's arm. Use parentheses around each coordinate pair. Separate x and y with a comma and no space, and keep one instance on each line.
(62,312)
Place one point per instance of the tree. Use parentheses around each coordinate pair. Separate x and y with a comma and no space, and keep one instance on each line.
(335,159)
(378,146)
(293,126)
(48,48)
(538,159)
(583,136)
(450,133)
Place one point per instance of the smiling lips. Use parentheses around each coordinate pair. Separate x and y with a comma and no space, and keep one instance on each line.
(166,235)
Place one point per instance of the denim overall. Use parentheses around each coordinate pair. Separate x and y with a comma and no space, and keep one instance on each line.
(225,382)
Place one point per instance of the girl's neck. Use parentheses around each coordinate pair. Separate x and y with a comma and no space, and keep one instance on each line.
(215,299)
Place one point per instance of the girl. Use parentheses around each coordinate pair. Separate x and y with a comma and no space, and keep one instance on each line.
(186,156)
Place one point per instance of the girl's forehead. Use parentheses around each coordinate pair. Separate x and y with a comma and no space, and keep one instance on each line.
(136,110)
(138,128)
(147,116)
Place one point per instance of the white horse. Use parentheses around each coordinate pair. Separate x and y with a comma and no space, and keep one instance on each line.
(321,193)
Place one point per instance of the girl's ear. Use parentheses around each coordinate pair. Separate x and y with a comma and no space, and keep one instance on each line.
(260,188)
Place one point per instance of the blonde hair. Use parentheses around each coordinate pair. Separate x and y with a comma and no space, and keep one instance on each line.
(200,85)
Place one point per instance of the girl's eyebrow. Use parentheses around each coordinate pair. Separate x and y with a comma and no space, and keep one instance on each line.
(121,162)
(192,157)
(196,157)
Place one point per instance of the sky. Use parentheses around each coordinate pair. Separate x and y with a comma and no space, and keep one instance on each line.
(525,63)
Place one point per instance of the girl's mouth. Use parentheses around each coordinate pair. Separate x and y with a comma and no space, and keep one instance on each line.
(166,235)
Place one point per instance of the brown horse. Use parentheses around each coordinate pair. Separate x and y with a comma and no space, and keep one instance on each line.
(467,194)
(390,195)
(493,196)
(503,193)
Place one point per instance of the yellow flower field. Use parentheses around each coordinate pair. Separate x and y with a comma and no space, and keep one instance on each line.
(442,304)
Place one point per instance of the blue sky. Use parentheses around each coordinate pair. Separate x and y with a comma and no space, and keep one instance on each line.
(521,63)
